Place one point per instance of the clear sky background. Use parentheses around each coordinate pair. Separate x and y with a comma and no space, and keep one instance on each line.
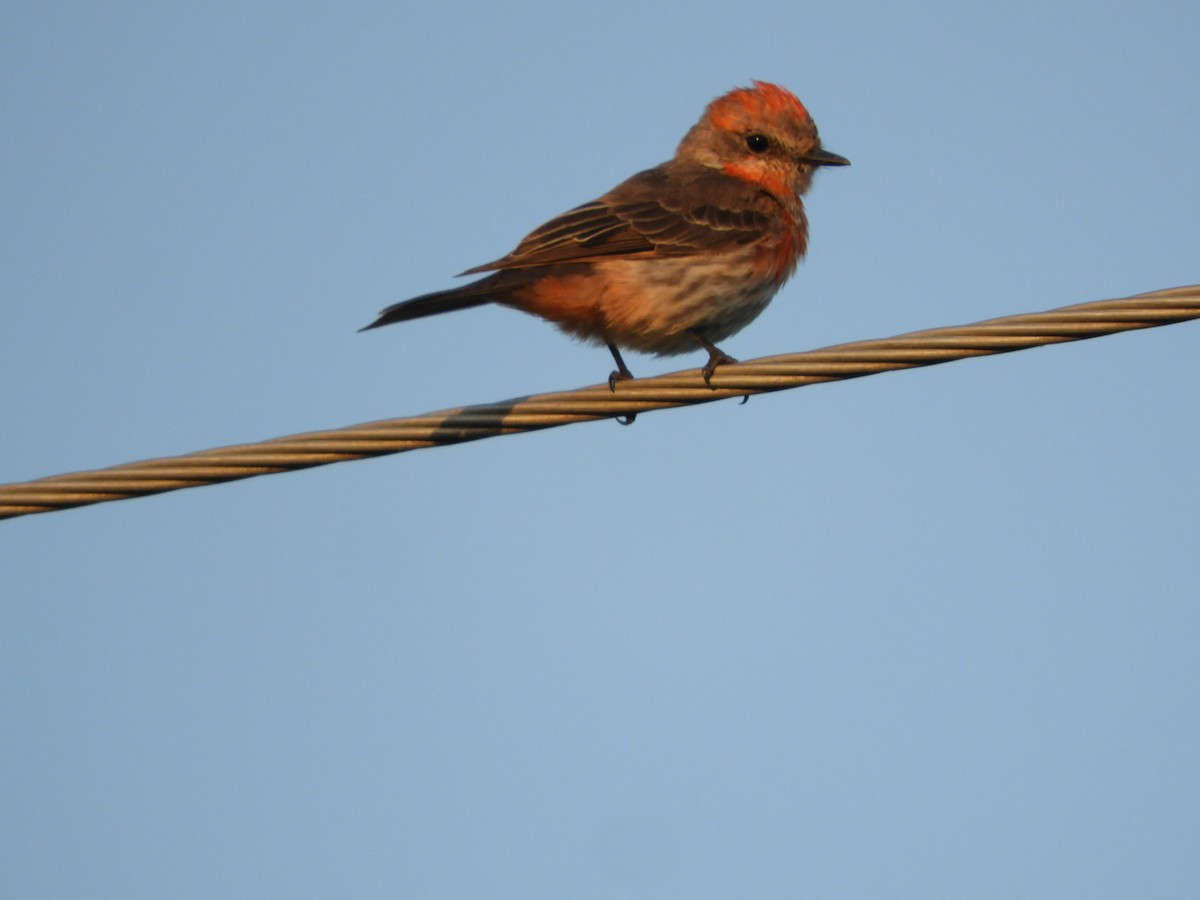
(927,634)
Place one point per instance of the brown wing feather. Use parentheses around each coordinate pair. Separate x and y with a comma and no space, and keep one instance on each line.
(648,215)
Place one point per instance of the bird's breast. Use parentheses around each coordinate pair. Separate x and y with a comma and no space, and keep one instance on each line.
(651,304)
(781,250)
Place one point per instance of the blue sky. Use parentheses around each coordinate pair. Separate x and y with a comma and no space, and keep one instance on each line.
(929,634)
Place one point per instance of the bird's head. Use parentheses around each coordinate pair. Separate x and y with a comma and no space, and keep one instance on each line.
(761,134)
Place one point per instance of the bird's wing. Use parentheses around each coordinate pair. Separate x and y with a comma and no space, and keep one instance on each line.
(642,218)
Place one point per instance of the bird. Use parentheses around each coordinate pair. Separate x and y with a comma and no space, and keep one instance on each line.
(676,258)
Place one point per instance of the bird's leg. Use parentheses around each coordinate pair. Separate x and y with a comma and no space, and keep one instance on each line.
(622,372)
(716,356)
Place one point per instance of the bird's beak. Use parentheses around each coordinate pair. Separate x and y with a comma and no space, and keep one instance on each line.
(821,157)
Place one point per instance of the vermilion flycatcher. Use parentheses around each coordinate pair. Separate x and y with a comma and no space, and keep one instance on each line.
(679,256)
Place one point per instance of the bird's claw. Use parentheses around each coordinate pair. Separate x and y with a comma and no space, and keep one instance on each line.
(715,358)
(618,375)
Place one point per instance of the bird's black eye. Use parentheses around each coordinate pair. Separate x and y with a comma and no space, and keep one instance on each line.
(757,143)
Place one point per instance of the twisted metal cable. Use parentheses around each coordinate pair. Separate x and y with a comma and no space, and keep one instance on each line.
(773,373)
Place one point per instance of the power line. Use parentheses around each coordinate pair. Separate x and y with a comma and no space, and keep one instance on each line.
(773,373)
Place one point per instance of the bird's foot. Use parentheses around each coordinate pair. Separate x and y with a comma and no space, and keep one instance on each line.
(618,375)
(621,373)
(715,358)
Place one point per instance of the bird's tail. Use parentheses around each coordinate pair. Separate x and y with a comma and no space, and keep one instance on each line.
(431,305)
